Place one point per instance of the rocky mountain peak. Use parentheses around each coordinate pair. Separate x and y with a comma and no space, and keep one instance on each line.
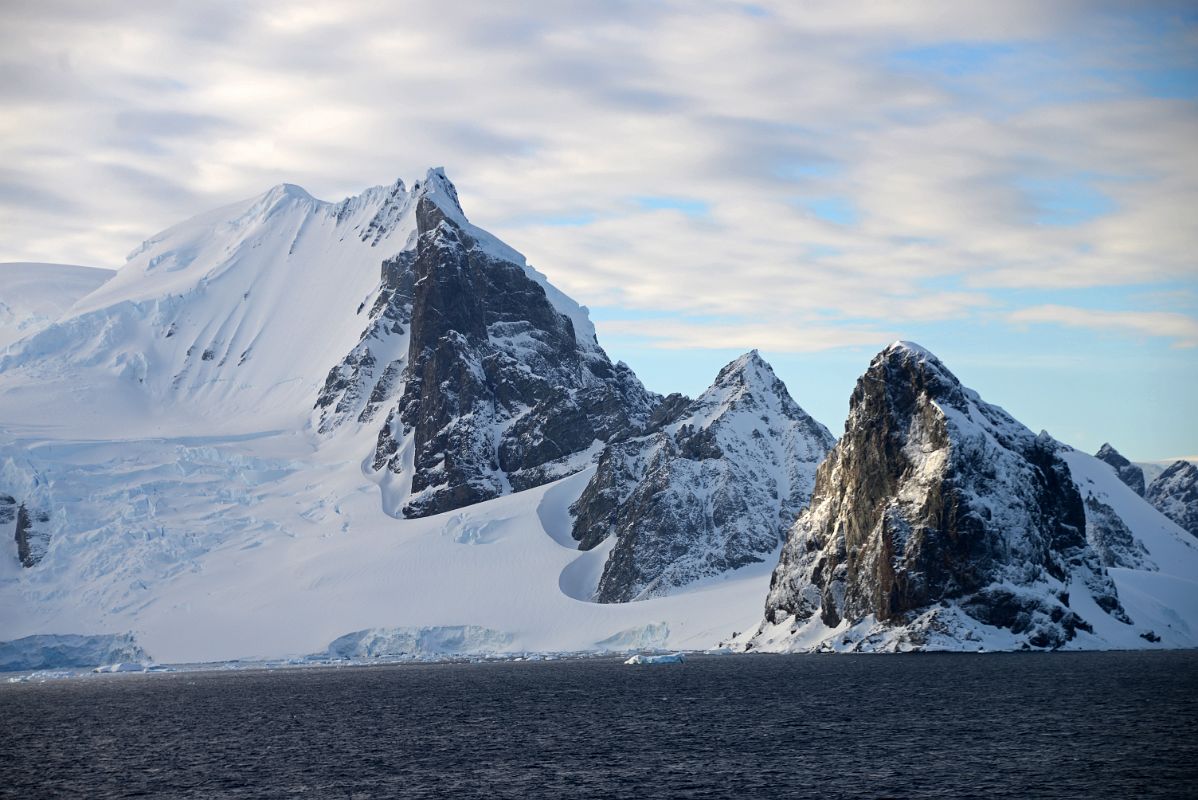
(935,504)
(495,379)
(437,188)
(1128,472)
(909,372)
(1175,494)
(711,488)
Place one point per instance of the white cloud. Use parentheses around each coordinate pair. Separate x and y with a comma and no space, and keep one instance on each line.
(119,122)
(1182,329)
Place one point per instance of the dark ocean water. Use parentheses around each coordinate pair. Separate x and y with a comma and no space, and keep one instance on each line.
(999,725)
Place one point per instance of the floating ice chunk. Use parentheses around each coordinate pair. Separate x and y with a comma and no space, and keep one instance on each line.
(666,658)
(122,666)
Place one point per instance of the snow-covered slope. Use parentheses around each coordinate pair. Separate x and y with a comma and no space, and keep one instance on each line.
(1159,590)
(713,488)
(214,447)
(1129,473)
(211,548)
(938,521)
(34,295)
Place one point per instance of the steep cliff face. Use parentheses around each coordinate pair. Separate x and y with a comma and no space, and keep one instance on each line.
(371,374)
(711,489)
(1128,472)
(1175,494)
(25,511)
(501,391)
(933,505)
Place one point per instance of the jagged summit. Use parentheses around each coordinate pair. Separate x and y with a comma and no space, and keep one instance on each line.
(935,513)
(740,381)
(711,488)
(1175,494)
(238,314)
(1128,472)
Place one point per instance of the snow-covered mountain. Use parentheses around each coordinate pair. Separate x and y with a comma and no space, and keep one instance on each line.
(712,488)
(1172,489)
(939,521)
(389,313)
(1175,494)
(370,428)
(504,384)
(219,446)
(34,295)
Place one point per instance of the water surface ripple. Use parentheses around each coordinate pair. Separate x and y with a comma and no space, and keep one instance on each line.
(932,725)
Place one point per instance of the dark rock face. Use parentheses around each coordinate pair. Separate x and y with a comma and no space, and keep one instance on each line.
(370,374)
(1109,537)
(711,488)
(935,499)
(499,393)
(1175,494)
(32,533)
(1128,472)
(487,385)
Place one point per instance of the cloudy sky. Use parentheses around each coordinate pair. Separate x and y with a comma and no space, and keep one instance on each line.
(1013,185)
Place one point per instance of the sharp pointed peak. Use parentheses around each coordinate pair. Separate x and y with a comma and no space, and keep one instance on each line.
(748,367)
(437,187)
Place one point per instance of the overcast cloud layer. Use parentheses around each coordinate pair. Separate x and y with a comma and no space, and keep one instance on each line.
(790,176)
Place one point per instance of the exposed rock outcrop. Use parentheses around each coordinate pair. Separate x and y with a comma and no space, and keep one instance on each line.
(371,374)
(712,488)
(936,508)
(1128,472)
(1175,494)
(501,391)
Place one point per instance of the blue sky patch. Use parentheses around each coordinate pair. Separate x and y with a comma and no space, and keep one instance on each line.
(838,210)
(1064,201)
(689,206)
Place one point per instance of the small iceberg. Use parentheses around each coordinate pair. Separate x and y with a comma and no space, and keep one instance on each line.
(122,666)
(668,658)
